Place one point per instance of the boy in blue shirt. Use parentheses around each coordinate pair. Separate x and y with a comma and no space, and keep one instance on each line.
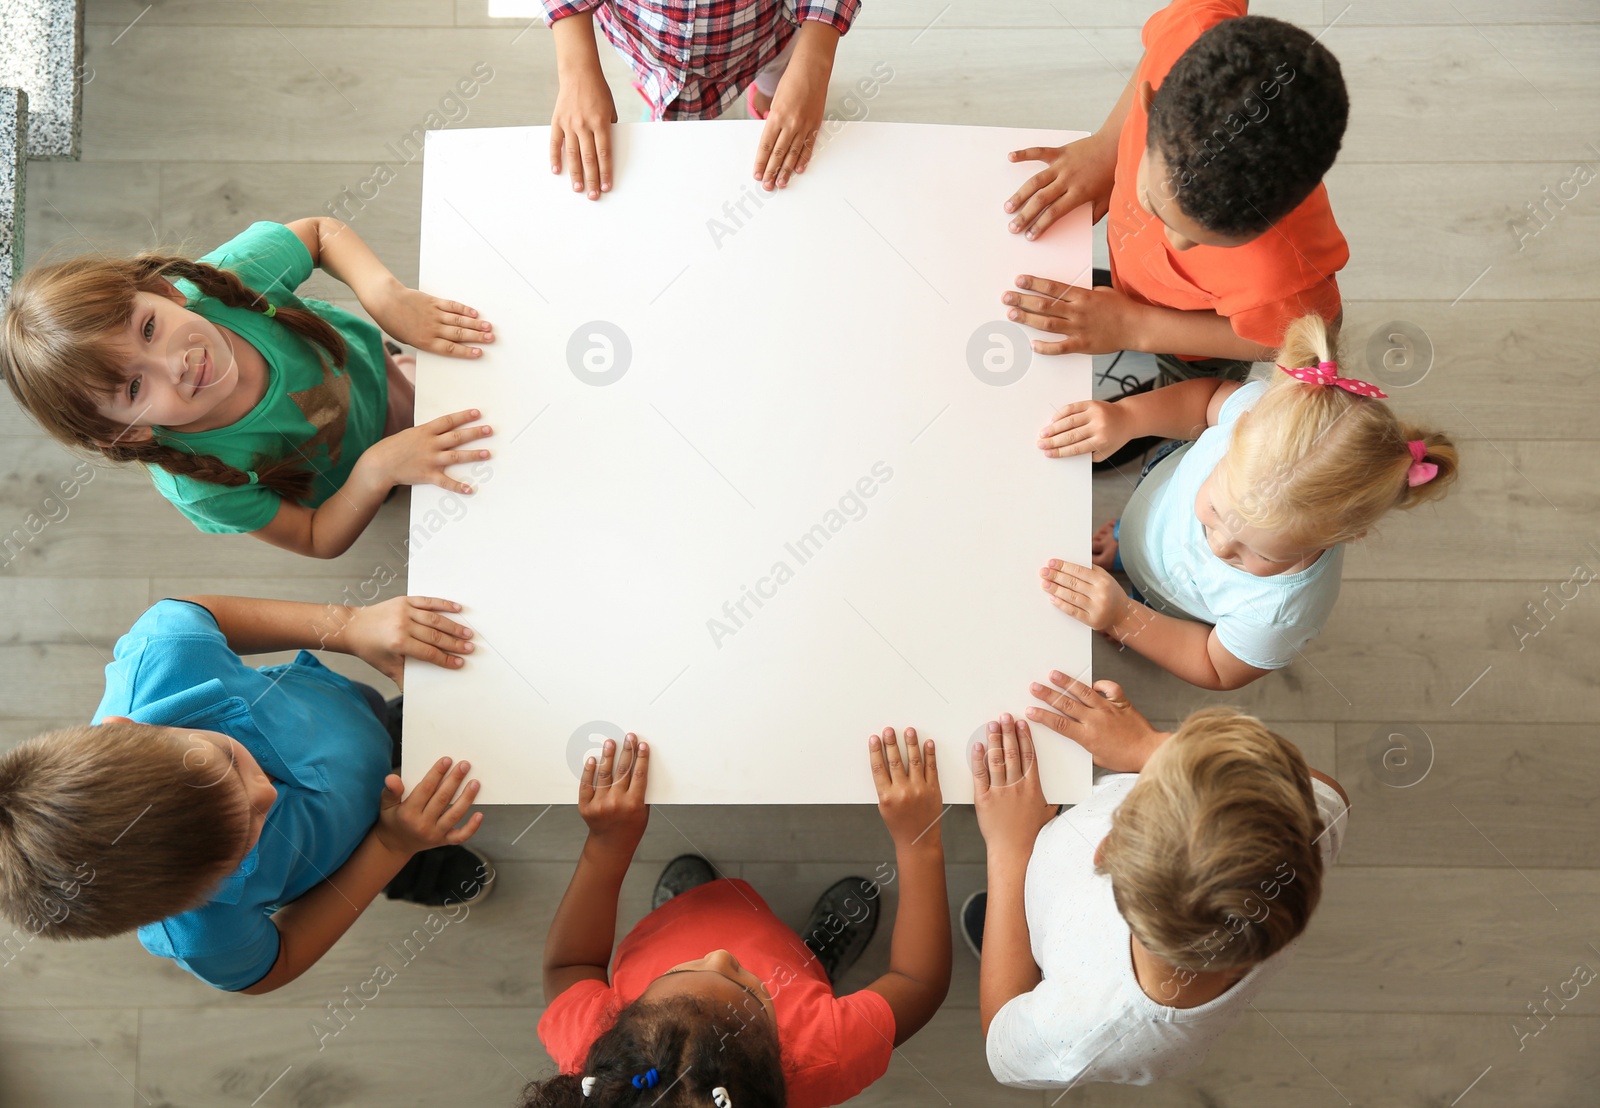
(240,818)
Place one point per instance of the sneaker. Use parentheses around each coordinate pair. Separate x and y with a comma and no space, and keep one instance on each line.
(842,924)
(441,876)
(685,872)
(973,910)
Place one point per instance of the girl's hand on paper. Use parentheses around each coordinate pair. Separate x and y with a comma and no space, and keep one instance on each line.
(1101,719)
(908,788)
(611,795)
(1094,427)
(429,323)
(1091,321)
(1078,173)
(790,136)
(580,130)
(1089,594)
(420,455)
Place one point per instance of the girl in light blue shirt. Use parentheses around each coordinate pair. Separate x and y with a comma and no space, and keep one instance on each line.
(1234,543)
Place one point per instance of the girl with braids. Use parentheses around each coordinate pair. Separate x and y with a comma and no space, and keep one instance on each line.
(754,1023)
(1234,543)
(248,406)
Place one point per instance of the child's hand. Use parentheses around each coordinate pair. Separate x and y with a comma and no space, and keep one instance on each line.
(1100,719)
(1094,427)
(1079,173)
(611,795)
(1089,594)
(908,788)
(419,455)
(427,818)
(1093,321)
(580,129)
(790,136)
(428,323)
(385,635)
(1006,791)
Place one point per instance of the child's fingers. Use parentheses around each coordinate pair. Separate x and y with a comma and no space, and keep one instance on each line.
(764,148)
(980,769)
(429,617)
(437,632)
(1061,725)
(880,769)
(996,755)
(1038,208)
(394,790)
(586,782)
(791,158)
(930,767)
(891,755)
(1008,743)
(1059,206)
(557,137)
(640,777)
(450,484)
(780,150)
(445,795)
(425,789)
(1025,747)
(602,152)
(441,424)
(624,766)
(1043,286)
(914,757)
(460,808)
(460,435)
(433,604)
(461,834)
(608,757)
(591,166)
(574,158)
(807,148)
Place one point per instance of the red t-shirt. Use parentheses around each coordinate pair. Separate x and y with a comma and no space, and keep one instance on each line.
(1262,286)
(833,1047)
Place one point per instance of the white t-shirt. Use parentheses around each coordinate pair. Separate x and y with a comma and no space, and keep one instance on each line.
(1088,1019)
(1262,621)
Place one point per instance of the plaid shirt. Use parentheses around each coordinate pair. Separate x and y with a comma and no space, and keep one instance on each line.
(693,58)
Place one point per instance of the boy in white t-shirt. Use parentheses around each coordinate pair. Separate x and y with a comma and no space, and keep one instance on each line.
(1122,937)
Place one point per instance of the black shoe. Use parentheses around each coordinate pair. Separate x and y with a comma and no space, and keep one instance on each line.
(441,876)
(1101,278)
(685,872)
(842,924)
(973,910)
(394,721)
(1138,447)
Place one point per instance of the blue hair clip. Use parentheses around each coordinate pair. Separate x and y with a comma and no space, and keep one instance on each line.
(647,1079)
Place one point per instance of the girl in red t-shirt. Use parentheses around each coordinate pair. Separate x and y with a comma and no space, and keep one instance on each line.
(755,1021)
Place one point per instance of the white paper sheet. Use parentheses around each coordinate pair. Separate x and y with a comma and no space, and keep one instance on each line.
(760,486)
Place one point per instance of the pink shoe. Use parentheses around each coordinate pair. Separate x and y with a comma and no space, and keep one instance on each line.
(750,102)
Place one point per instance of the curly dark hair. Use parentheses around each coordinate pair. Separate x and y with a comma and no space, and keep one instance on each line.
(1248,120)
(693,1047)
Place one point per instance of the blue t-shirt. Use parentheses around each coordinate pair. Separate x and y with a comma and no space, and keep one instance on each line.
(1262,621)
(314,735)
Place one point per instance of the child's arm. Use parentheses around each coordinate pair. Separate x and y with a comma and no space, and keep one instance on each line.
(789,138)
(1100,427)
(1104,320)
(1080,172)
(382,635)
(1011,812)
(585,110)
(412,317)
(1182,647)
(919,952)
(415,456)
(578,947)
(309,926)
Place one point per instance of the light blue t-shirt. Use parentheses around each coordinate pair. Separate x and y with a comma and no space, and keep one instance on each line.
(1262,621)
(314,735)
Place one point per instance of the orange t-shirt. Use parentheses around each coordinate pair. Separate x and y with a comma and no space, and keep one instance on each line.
(833,1047)
(1261,286)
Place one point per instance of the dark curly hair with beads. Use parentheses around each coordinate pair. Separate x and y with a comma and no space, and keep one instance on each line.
(693,1050)
(1248,120)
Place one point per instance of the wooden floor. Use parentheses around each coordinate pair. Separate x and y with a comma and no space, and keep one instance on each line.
(1461,902)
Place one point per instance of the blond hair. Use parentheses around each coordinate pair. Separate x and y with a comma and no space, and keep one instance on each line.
(1320,464)
(1213,856)
(110,827)
(59,356)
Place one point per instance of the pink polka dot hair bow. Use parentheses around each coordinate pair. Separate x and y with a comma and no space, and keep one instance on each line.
(1419,472)
(1327,373)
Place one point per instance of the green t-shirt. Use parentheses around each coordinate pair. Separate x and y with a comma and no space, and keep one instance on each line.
(311,410)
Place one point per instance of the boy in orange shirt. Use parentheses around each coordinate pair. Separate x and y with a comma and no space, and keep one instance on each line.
(1210,167)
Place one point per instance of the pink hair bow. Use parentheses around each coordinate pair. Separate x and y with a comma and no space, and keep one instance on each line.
(1419,472)
(1327,373)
